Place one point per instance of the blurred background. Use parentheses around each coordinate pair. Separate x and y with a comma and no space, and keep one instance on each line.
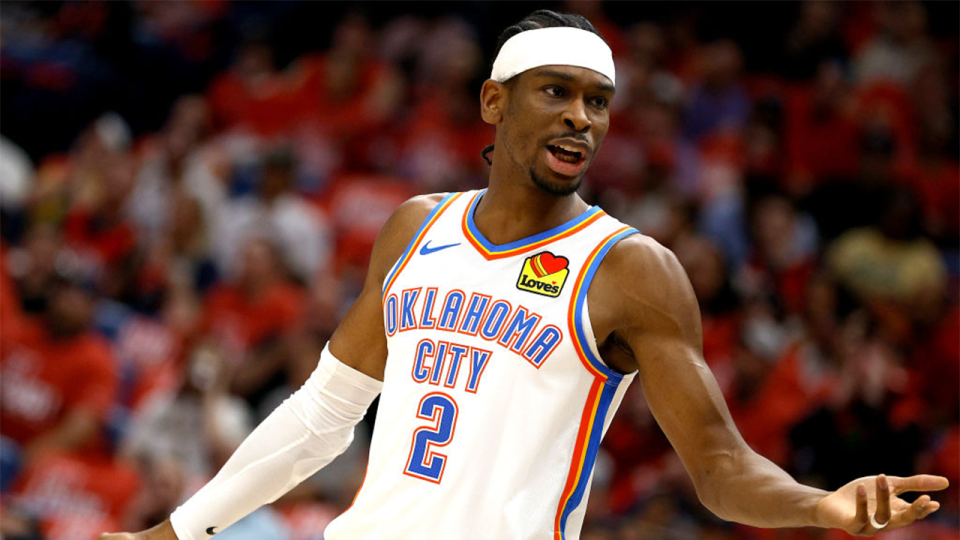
(189,191)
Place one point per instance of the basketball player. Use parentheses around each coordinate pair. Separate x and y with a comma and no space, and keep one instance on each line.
(500,329)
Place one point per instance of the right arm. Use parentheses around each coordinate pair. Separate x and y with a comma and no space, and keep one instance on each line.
(283,450)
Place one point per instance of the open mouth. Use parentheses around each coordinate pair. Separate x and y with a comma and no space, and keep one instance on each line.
(565,154)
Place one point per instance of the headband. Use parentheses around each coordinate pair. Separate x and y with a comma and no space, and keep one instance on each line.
(555,46)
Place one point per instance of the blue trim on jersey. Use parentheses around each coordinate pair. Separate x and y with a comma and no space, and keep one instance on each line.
(413,241)
(609,387)
(493,248)
(593,447)
(613,377)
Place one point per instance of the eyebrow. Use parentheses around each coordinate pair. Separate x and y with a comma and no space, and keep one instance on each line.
(564,76)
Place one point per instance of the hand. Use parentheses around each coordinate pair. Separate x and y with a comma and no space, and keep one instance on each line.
(163,531)
(851,507)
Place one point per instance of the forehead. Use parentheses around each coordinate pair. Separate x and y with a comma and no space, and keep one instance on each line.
(571,74)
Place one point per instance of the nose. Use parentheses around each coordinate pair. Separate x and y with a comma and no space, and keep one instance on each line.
(575,116)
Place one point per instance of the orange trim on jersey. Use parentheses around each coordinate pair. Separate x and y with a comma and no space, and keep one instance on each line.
(415,242)
(579,294)
(601,392)
(587,421)
(528,244)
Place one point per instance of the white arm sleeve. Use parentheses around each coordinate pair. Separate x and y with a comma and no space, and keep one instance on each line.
(310,428)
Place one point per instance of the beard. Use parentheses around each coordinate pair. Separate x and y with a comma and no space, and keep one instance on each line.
(555,189)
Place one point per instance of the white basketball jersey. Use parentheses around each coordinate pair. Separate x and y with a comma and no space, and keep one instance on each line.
(495,398)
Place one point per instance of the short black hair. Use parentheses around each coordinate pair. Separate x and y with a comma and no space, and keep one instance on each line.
(542,18)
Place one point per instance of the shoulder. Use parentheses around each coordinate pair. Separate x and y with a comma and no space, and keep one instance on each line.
(407,218)
(414,210)
(638,262)
(641,285)
(399,230)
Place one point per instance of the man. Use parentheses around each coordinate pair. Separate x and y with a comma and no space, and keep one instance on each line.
(513,319)
(59,377)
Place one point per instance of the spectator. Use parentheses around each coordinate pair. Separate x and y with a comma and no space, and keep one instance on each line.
(245,317)
(719,304)
(17,174)
(253,95)
(901,48)
(32,266)
(68,496)
(346,95)
(358,205)
(439,146)
(182,440)
(59,379)
(298,228)
(641,146)
(813,40)
(784,255)
(179,159)
(718,102)
(819,121)
(936,176)
(180,256)
(59,391)
(77,175)
(98,230)
(891,266)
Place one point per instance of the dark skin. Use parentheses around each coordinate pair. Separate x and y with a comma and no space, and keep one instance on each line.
(643,310)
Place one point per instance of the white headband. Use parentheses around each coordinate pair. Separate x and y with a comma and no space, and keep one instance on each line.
(553,47)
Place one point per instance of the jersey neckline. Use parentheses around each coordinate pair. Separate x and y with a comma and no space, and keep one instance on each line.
(493,251)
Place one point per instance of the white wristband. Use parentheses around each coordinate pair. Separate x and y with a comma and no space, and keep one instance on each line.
(310,429)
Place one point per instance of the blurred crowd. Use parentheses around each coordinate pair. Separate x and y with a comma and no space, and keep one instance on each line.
(169,274)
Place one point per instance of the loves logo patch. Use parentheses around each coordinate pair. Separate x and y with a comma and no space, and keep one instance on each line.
(544,273)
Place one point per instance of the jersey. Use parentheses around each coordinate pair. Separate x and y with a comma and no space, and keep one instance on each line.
(495,398)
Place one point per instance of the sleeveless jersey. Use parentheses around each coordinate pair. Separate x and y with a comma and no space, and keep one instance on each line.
(495,398)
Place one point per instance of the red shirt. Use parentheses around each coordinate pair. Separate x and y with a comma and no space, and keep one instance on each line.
(248,322)
(346,115)
(790,391)
(11,313)
(107,242)
(44,379)
(824,146)
(77,497)
(359,205)
(268,108)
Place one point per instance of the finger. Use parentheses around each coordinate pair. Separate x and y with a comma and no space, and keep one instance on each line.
(932,507)
(861,518)
(920,482)
(882,512)
(913,512)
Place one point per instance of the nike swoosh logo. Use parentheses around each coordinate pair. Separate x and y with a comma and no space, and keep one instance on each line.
(211,531)
(426,249)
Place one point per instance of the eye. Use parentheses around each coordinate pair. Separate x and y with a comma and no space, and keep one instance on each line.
(555,91)
(600,102)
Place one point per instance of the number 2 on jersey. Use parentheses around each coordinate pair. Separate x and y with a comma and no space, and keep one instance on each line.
(424,462)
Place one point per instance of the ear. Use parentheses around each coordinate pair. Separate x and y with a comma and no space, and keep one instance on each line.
(493,96)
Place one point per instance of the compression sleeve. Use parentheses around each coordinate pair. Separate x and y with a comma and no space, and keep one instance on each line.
(307,431)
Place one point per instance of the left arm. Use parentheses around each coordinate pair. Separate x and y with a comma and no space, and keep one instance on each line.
(658,331)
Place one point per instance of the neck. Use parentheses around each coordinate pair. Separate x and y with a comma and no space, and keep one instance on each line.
(510,210)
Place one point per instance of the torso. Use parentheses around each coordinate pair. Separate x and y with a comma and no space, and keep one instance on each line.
(498,439)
